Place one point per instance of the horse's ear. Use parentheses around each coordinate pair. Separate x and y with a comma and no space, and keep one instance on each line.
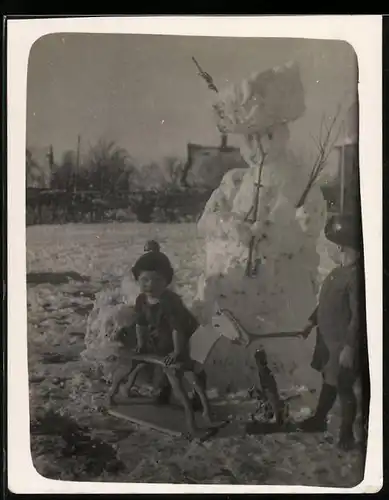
(224,326)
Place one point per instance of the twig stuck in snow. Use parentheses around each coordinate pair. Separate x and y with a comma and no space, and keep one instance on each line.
(325,146)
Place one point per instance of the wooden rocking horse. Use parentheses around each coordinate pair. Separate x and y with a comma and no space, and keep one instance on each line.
(203,340)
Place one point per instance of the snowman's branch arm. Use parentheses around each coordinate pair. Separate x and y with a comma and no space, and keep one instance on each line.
(258,185)
(325,147)
(255,209)
(206,76)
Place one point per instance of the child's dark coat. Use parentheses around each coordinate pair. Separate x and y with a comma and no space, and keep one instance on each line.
(162,319)
(340,321)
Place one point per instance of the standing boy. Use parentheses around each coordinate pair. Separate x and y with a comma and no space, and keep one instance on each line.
(341,349)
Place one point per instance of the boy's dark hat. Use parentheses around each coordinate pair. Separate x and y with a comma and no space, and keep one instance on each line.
(345,231)
(154,261)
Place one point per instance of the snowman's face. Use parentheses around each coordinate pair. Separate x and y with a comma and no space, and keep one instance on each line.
(272,142)
(277,139)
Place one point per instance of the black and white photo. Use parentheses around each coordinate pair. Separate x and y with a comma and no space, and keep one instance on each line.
(197,260)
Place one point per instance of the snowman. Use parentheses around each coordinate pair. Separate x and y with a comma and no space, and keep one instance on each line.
(261,261)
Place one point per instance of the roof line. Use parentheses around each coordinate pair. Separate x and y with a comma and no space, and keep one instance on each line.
(202,146)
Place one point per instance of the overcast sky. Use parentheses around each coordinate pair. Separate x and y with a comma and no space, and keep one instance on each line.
(143,91)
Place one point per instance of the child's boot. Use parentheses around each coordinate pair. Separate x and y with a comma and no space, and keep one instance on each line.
(348,404)
(318,421)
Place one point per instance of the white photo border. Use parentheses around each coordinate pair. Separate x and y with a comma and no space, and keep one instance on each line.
(364,34)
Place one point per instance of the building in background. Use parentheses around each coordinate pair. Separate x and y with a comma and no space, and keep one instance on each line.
(207,165)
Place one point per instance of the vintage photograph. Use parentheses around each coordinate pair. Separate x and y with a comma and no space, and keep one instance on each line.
(195,266)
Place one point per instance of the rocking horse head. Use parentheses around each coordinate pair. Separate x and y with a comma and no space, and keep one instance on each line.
(225,323)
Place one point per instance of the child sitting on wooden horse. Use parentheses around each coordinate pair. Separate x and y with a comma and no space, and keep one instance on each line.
(163,327)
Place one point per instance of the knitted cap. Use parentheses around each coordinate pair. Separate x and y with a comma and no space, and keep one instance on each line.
(152,246)
(154,261)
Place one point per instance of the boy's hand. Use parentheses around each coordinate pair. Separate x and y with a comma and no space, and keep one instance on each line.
(346,358)
(171,358)
(307,329)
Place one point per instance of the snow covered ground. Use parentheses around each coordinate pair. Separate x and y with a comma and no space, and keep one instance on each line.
(67,265)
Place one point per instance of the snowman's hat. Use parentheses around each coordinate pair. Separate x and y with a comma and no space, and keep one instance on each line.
(345,231)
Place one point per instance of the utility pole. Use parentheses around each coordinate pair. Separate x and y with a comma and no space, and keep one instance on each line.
(77,162)
(50,157)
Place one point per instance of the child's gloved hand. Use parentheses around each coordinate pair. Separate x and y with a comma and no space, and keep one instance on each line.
(171,359)
(307,329)
(346,357)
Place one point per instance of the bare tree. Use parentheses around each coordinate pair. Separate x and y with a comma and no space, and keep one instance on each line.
(150,177)
(63,176)
(109,166)
(35,175)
